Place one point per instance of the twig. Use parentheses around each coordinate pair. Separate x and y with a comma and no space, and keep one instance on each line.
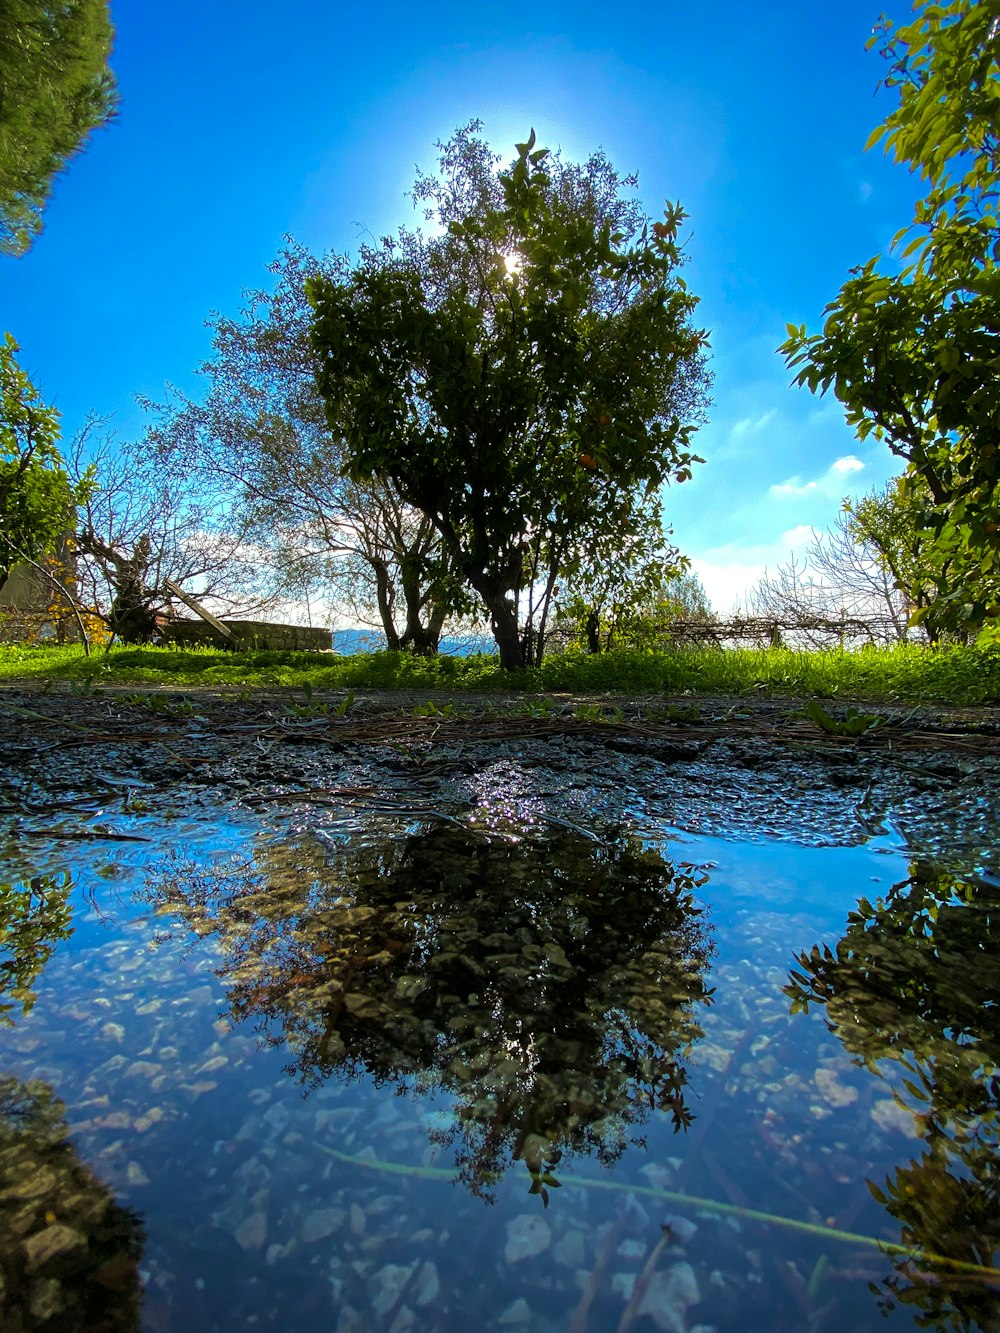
(642,1283)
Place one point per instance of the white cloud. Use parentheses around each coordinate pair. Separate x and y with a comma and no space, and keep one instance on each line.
(795,537)
(830,483)
(849,463)
(728,572)
(752,425)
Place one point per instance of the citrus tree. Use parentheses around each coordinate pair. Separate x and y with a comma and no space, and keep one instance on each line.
(527,371)
(913,353)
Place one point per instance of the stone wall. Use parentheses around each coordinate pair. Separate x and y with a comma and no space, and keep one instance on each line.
(249,634)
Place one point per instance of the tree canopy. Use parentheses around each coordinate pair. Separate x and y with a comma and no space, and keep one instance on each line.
(55,88)
(913,353)
(528,370)
(551,986)
(37,499)
(910,991)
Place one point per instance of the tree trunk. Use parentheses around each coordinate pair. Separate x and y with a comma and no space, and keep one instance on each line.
(503,622)
(384,596)
(423,639)
(591,628)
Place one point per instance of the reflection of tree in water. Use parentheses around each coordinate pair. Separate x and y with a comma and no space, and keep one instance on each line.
(35,916)
(549,986)
(69,1254)
(915,981)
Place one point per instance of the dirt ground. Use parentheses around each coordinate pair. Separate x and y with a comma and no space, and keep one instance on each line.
(729,766)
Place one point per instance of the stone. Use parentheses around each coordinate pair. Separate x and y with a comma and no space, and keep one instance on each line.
(527,1236)
(622,1285)
(320,1223)
(517,1315)
(251,1233)
(668,1296)
(143,1069)
(390,1282)
(135,1175)
(632,1250)
(45,1245)
(682,1229)
(830,1088)
(358,1220)
(33,1185)
(148,1119)
(889,1115)
(46,1300)
(200,1087)
(571,1250)
(427,1285)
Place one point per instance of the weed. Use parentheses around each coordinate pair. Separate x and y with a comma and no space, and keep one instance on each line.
(430,709)
(158,703)
(852,723)
(308,709)
(677,713)
(599,713)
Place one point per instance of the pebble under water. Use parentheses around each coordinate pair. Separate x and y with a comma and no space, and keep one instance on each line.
(559,1052)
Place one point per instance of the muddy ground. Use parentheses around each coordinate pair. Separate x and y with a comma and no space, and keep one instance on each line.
(81,765)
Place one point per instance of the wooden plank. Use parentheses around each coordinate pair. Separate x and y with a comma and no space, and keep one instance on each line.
(198,609)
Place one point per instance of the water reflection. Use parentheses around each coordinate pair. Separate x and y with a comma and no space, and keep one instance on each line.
(550,987)
(912,991)
(35,917)
(69,1254)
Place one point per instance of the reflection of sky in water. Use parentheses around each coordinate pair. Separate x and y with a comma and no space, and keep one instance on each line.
(265,1208)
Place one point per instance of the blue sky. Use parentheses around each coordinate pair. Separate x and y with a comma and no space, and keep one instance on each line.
(241,122)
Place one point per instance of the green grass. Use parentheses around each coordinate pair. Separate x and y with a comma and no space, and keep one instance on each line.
(906,674)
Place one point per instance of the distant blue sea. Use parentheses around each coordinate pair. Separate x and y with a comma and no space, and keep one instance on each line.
(351,641)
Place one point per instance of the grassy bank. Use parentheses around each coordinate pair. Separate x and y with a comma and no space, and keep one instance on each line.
(906,674)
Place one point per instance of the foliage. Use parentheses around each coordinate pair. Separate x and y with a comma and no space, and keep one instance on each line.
(910,990)
(907,673)
(852,723)
(55,88)
(888,526)
(914,355)
(618,576)
(93,1284)
(260,442)
(550,986)
(35,916)
(37,498)
(527,375)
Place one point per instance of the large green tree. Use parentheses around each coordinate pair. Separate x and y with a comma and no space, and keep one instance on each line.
(55,88)
(37,498)
(526,372)
(914,354)
(910,990)
(551,987)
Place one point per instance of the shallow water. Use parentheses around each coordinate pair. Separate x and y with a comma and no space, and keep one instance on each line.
(348,1071)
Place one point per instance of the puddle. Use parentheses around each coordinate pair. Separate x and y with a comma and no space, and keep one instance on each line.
(514,1053)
